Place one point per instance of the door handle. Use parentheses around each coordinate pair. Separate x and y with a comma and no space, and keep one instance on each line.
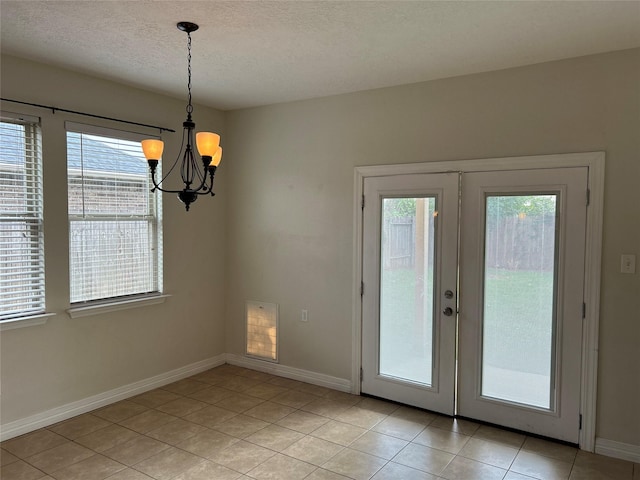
(448,311)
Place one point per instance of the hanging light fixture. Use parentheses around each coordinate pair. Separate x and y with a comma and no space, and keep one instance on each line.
(197,179)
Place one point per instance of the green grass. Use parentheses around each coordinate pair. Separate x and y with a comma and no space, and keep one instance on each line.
(517,318)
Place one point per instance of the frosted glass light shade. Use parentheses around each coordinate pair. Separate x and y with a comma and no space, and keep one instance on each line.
(152,149)
(217,158)
(207,143)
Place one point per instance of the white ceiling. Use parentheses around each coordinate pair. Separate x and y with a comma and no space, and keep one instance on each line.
(250,53)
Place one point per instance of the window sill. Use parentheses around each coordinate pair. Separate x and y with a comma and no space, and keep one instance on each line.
(22,322)
(85,311)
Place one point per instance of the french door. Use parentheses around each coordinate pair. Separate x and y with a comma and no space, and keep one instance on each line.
(477,278)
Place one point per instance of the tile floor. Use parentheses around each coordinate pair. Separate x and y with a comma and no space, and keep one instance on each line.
(233,423)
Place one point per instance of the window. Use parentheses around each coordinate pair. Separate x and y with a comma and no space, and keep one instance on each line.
(21,238)
(114,218)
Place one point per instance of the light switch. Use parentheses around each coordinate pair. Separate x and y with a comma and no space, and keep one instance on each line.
(628,263)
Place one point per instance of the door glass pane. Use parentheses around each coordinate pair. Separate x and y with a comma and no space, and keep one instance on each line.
(519,307)
(406,288)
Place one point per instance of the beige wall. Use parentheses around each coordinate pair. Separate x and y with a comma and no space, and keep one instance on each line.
(290,223)
(68,359)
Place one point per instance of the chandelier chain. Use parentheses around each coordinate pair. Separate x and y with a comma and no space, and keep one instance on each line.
(189,106)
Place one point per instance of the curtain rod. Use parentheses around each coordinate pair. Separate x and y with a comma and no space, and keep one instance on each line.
(56,109)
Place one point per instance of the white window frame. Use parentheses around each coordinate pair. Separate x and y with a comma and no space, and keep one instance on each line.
(105,304)
(34,215)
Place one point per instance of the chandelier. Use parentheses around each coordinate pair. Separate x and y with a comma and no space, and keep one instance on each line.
(197,179)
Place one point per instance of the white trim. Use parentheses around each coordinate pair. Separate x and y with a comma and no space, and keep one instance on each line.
(97,309)
(6,115)
(335,383)
(624,451)
(595,161)
(22,322)
(108,132)
(64,412)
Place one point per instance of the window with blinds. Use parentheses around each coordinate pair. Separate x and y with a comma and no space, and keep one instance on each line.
(21,239)
(114,218)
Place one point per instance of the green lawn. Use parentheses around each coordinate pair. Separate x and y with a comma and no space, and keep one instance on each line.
(517,319)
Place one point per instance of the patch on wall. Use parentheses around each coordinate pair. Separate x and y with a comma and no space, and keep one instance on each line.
(262,330)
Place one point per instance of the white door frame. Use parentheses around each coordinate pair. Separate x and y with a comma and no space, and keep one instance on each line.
(595,161)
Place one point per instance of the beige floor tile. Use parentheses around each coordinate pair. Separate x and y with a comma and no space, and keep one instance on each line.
(360,417)
(516,476)
(322,474)
(457,425)
(510,439)
(607,466)
(182,407)
(377,405)
(294,398)
(239,383)
(6,458)
(303,422)
(20,470)
(185,386)
(354,464)
(207,444)
(256,375)
(239,402)
(325,407)
(242,456)
(147,421)
(541,467)
(414,415)
(342,397)
(442,439)
(275,438)
(59,457)
(136,450)
(424,458)
(210,376)
(316,390)
(129,474)
(79,426)
(154,398)
(281,467)
(399,427)
(176,431)
(241,426)
(488,452)
(313,450)
(211,395)
(210,416)
(378,444)
(120,411)
(461,468)
(270,411)
(26,445)
(265,391)
(96,467)
(550,449)
(395,471)
(208,471)
(338,432)
(285,382)
(107,438)
(168,464)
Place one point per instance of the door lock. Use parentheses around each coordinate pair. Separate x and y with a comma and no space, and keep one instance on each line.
(448,294)
(448,311)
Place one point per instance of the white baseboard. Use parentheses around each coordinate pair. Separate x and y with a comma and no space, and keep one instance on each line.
(307,376)
(624,451)
(58,414)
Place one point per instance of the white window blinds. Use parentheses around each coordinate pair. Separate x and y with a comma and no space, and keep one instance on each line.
(114,220)
(21,239)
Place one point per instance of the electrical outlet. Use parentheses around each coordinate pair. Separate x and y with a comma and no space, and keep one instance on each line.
(628,263)
(305,316)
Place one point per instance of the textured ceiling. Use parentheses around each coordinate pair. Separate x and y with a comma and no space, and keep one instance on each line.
(250,53)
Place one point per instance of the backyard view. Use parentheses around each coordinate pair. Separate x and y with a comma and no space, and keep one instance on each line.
(518,316)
